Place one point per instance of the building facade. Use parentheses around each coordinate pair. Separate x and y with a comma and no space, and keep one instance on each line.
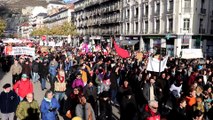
(148,24)
(98,19)
(187,24)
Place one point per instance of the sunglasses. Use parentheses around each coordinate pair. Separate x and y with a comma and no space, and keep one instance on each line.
(154,107)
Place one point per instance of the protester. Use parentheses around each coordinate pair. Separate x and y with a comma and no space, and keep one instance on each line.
(8,102)
(84,109)
(60,85)
(16,70)
(28,109)
(78,82)
(151,111)
(49,106)
(23,87)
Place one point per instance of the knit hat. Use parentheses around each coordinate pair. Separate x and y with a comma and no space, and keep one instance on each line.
(24,76)
(7,85)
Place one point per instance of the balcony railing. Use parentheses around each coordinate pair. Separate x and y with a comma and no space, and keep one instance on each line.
(202,31)
(187,10)
(156,31)
(203,11)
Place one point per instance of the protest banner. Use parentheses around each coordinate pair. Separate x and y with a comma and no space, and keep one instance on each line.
(21,51)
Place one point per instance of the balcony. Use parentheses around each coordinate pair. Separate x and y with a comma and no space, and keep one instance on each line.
(202,31)
(203,11)
(187,10)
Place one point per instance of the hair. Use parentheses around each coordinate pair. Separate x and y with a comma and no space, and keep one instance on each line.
(181,100)
(47,92)
(151,102)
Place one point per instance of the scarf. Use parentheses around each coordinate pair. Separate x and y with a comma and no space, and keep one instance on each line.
(61,78)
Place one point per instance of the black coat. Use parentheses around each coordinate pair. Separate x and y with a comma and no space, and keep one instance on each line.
(8,102)
(128,108)
(180,114)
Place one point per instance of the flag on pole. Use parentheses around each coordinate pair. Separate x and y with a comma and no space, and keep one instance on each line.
(154,64)
(120,51)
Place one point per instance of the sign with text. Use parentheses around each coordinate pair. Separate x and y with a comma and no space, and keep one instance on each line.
(22,51)
(192,53)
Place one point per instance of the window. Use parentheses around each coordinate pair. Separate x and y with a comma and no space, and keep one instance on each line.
(157,26)
(170,25)
(136,12)
(201,30)
(127,14)
(127,28)
(186,23)
(211,26)
(146,10)
(202,3)
(146,26)
(136,27)
(170,5)
(157,10)
(187,6)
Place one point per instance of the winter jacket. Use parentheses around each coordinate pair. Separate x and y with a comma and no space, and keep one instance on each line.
(35,67)
(28,110)
(49,109)
(43,70)
(146,92)
(26,69)
(8,102)
(78,83)
(22,88)
(149,115)
(16,69)
(88,109)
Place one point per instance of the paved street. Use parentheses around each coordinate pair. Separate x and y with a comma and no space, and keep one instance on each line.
(39,94)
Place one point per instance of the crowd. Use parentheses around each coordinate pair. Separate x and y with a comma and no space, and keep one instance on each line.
(87,86)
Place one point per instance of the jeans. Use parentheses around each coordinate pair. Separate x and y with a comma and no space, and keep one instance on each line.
(7,116)
(43,82)
(52,81)
(35,77)
(114,94)
(59,95)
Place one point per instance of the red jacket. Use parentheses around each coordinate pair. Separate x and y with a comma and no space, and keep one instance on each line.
(149,115)
(22,88)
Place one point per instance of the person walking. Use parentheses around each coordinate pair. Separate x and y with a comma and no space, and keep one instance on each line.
(16,70)
(8,102)
(43,72)
(28,109)
(23,87)
(84,109)
(49,106)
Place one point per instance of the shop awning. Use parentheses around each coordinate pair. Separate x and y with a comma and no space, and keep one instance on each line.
(129,42)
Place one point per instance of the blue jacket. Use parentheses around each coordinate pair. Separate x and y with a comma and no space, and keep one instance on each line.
(8,102)
(68,65)
(46,113)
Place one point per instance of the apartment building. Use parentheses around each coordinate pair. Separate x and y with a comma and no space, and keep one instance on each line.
(98,19)
(187,24)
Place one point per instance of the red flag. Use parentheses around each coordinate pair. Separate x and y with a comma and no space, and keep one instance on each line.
(121,52)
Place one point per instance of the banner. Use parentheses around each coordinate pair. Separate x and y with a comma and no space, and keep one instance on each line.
(154,64)
(191,53)
(21,51)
